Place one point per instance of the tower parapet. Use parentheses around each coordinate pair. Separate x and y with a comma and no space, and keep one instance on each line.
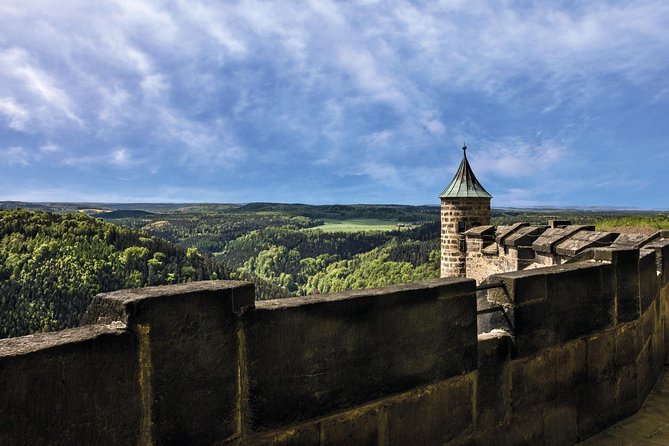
(464,204)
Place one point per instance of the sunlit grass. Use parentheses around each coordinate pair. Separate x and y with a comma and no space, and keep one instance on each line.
(658,221)
(357,225)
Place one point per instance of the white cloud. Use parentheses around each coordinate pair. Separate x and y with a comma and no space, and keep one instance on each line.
(119,157)
(18,155)
(517,158)
(15,155)
(154,84)
(42,98)
(436,127)
(16,115)
(383,173)
(49,148)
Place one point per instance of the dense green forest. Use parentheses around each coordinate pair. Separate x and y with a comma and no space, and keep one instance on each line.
(276,246)
(51,266)
(53,263)
(295,260)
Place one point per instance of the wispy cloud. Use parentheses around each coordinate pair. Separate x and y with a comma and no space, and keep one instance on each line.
(119,157)
(15,156)
(515,157)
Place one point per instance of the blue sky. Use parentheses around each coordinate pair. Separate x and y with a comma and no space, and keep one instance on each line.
(560,103)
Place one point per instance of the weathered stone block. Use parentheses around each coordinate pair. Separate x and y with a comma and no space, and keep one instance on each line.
(581,299)
(520,287)
(358,427)
(661,248)
(648,280)
(434,415)
(302,435)
(605,400)
(561,421)
(626,402)
(626,265)
(188,349)
(524,236)
(349,348)
(548,374)
(647,322)
(633,240)
(578,242)
(663,266)
(597,405)
(601,349)
(76,386)
(557,304)
(525,428)
(645,370)
(545,259)
(628,344)
(504,231)
(547,242)
(494,381)
(608,275)
(574,286)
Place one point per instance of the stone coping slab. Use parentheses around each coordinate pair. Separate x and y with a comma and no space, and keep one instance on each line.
(465,286)
(553,236)
(504,231)
(525,236)
(582,240)
(634,240)
(481,231)
(119,305)
(24,345)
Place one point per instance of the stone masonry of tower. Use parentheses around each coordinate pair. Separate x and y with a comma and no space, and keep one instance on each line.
(464,204)
(457,216)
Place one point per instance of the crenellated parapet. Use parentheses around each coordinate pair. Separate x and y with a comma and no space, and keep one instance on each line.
(521,246)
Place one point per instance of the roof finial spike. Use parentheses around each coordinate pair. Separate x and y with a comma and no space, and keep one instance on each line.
(464,148)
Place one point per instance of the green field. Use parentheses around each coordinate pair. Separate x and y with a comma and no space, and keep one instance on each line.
(356,225)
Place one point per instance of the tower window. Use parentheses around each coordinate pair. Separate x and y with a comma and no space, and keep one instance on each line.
(461,226)
(463,245)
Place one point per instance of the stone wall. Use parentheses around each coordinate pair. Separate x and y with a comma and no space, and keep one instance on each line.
(520,246)
(457,216)
(205,364)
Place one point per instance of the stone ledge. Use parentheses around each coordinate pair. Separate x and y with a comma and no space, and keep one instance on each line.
(121,305)
(25,345)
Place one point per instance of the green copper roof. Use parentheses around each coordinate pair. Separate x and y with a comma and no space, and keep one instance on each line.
(464,183)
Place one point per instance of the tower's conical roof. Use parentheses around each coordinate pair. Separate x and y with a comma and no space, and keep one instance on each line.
(464,183)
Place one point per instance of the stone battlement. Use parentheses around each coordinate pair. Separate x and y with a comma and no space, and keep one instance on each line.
(203,363)
(491,250)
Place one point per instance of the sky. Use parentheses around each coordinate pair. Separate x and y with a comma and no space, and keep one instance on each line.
(561,103)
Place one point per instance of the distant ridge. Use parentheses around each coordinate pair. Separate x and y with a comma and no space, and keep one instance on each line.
(125,213)
(90,207)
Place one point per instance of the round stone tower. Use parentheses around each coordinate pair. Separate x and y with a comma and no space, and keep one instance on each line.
(464,205)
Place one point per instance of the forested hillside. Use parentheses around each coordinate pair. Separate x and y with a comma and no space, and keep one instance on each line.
(51,265)
(278,247)
(300,262)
